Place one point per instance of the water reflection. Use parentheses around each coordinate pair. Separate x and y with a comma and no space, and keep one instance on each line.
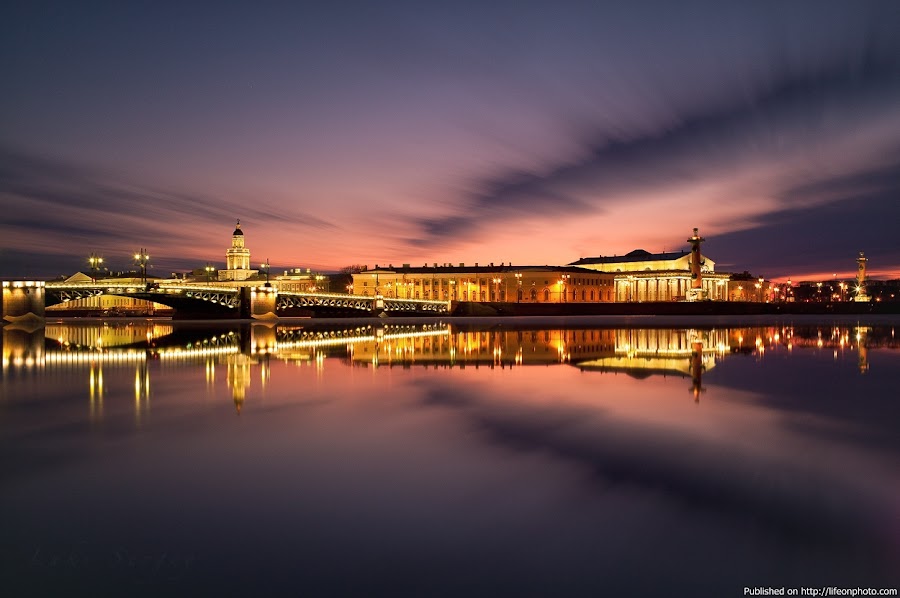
(530,457)
(245,351)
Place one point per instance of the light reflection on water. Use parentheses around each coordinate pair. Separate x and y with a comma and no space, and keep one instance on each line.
(495,458)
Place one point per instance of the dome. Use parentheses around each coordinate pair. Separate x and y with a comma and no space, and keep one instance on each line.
(237,229)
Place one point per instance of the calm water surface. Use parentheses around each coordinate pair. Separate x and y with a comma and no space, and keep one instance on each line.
(564,458)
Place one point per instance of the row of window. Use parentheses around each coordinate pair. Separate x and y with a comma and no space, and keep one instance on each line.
(547,295)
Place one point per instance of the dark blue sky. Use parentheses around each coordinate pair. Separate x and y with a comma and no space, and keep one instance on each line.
(531,132)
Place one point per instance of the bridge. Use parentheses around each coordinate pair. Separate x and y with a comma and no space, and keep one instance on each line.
(23,299)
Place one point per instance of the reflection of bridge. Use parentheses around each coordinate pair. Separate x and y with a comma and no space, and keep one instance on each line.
(103,348)
(212,301)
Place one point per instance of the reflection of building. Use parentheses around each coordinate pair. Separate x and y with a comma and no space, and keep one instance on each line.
(239,377)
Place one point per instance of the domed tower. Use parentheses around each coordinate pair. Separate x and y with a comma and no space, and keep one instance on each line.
(237,258)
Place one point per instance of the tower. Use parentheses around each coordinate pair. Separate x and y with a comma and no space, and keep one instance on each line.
(696,292)
(861,277)
(237,258)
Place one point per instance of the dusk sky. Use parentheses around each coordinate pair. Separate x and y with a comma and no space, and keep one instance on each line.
(379,132)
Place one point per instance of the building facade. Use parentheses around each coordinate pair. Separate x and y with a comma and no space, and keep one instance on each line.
(504,283)
(644,276)
(237,258)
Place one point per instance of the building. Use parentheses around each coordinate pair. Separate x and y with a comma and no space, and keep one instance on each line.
(237,258)
(528,284)
(644,276)
(634,277)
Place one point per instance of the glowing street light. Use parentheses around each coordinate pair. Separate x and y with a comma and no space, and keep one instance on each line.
(142,258)
(209,269)
(266,268)
(518,276)
(564,279)
(94,261)
(496,280)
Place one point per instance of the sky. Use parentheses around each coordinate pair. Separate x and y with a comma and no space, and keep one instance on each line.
(387,132)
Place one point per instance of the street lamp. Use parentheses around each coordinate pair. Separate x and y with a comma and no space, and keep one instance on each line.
(350,289)
(564,279)
(518,286)
(496,280)
(94,261)
(266,268)
(452,283)
(209,268)
(141,257)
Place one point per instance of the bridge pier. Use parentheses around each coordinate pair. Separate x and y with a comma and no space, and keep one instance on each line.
(23,300)
(262,303)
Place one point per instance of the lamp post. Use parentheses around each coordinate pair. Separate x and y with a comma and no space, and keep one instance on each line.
(496,280)
(265,267)
(452,283)
(564,279)
(141,257)
(518,286)
(209,268)
(375,276)
(94,261)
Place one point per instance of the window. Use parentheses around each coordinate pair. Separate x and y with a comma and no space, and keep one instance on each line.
(546,294)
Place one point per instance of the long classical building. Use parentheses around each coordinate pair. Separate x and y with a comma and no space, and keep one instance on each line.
(634,277)
(536,284)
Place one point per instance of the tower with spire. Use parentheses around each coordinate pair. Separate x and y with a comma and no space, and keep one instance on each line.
(237,258)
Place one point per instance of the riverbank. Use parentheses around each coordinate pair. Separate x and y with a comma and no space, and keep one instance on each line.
(700,308)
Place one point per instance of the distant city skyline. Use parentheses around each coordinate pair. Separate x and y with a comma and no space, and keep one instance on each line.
(375,133)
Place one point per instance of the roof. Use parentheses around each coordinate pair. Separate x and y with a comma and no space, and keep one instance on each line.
(237,229)
(473,269)
(638,255)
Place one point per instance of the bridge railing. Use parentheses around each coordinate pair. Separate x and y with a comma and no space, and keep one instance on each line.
(328,295)
(92,285)
(435,302)
(132,287)
(193,288)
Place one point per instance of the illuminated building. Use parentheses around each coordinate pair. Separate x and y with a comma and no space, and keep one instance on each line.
(523,284)
(237,258)
(671,276)
(635,277)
